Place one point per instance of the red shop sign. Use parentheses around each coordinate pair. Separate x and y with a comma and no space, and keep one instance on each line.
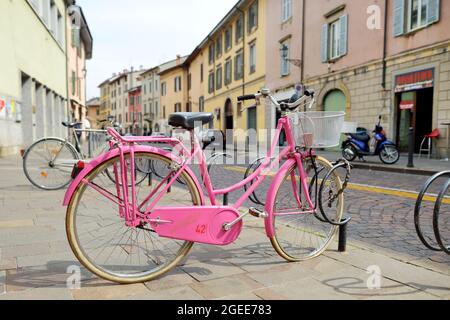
(407,105)
(415,80)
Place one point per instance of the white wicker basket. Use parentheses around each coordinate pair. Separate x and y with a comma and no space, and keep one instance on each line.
(317,129)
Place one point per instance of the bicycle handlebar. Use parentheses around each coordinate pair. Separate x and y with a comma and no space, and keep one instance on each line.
(265,93)
(247,97)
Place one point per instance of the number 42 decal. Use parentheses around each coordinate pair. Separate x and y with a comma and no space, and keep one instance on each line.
(201,229)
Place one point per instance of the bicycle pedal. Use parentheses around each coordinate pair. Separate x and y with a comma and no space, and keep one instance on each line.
(257,213)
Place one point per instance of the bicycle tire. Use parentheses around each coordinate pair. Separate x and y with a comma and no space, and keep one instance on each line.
(75,156)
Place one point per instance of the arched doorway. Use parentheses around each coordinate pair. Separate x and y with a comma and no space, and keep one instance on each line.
(229,122)
(335,100)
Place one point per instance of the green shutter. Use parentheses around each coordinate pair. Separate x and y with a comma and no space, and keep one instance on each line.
(343,45)
(433,11)
(399,17)
(324,49)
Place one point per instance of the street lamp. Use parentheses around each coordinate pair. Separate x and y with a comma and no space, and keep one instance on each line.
(285,53)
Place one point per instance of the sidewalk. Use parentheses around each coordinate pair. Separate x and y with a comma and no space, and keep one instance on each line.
(35,257)
(422,166)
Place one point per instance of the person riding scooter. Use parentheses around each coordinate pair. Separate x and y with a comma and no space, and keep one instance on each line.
(361,144)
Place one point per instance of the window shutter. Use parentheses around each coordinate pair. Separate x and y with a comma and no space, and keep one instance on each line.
(324,51)
(343,40)
(75,37)
(399,17)
(433,10)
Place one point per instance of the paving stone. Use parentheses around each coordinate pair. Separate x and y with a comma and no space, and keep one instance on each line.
(39,260)
(111,291)
(177,293)
(413,276)
(305,289)
(223,287)
(39,293)
(8,263)
(213,269)
(281,274)
(2,283)
(26,250)
(11,224)
(175,278)
(256,262)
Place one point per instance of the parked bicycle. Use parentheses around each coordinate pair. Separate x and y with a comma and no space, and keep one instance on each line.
(135,234)
(48,162)
(432,213)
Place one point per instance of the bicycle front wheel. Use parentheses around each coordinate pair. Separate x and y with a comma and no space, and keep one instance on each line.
(299,235)
(105,245)
(49,162)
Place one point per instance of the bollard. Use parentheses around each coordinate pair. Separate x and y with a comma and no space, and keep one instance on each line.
(411,148)
(343,237)
(225,199)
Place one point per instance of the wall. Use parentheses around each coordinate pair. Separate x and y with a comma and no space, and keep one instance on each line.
(37,54)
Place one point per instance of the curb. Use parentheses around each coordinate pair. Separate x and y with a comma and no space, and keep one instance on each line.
(375,167)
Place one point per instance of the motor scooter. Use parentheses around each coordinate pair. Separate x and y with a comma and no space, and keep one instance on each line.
(362,144)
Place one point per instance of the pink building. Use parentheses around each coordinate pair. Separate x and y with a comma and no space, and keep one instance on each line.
(369,58)
(134,115)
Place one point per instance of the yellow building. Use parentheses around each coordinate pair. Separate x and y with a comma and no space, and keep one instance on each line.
(231,62)
(174,91)
(105,99)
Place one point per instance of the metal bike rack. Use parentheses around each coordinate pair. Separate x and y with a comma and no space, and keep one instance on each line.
(439,246)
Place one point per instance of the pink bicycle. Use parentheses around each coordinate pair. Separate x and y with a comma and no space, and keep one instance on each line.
(129,233)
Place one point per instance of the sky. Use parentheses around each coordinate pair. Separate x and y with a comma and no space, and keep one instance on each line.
(145,32)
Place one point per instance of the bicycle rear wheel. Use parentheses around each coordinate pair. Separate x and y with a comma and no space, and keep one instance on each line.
(441,219)
(303,236)
(49,162)
(106,246)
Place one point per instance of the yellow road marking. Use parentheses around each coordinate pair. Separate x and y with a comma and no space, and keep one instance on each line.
(371,189)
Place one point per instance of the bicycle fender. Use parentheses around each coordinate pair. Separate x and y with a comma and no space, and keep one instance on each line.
(272,194)
(93,164)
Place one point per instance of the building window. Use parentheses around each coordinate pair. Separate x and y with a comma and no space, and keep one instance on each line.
(189,81)
(219,78)
(156,109)
(228,38)
(239,28)
(286,11)
(201,104)
(252,57)
(74,83)
(252,17)
(163,89)
(164,112)
(334,39)
(228,72)
(151,108)
(177,107)
(211,53)
(417,14)
(201,73)
(156,85)
(219,46)
(285,56)
(177,84)
(239,66)
(211,82)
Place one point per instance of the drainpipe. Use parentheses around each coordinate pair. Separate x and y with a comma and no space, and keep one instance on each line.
(243,49)
(67,69)
(383,80)
(302,73)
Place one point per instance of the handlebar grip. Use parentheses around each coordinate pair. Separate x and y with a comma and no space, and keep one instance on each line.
(310,92)
(247,97)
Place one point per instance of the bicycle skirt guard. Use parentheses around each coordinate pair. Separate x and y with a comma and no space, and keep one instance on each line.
(197,224)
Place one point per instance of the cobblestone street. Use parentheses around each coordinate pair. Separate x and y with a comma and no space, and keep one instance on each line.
(35,256)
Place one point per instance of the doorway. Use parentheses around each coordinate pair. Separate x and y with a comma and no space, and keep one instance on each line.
(335,100)
(229,122)
(416,111)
